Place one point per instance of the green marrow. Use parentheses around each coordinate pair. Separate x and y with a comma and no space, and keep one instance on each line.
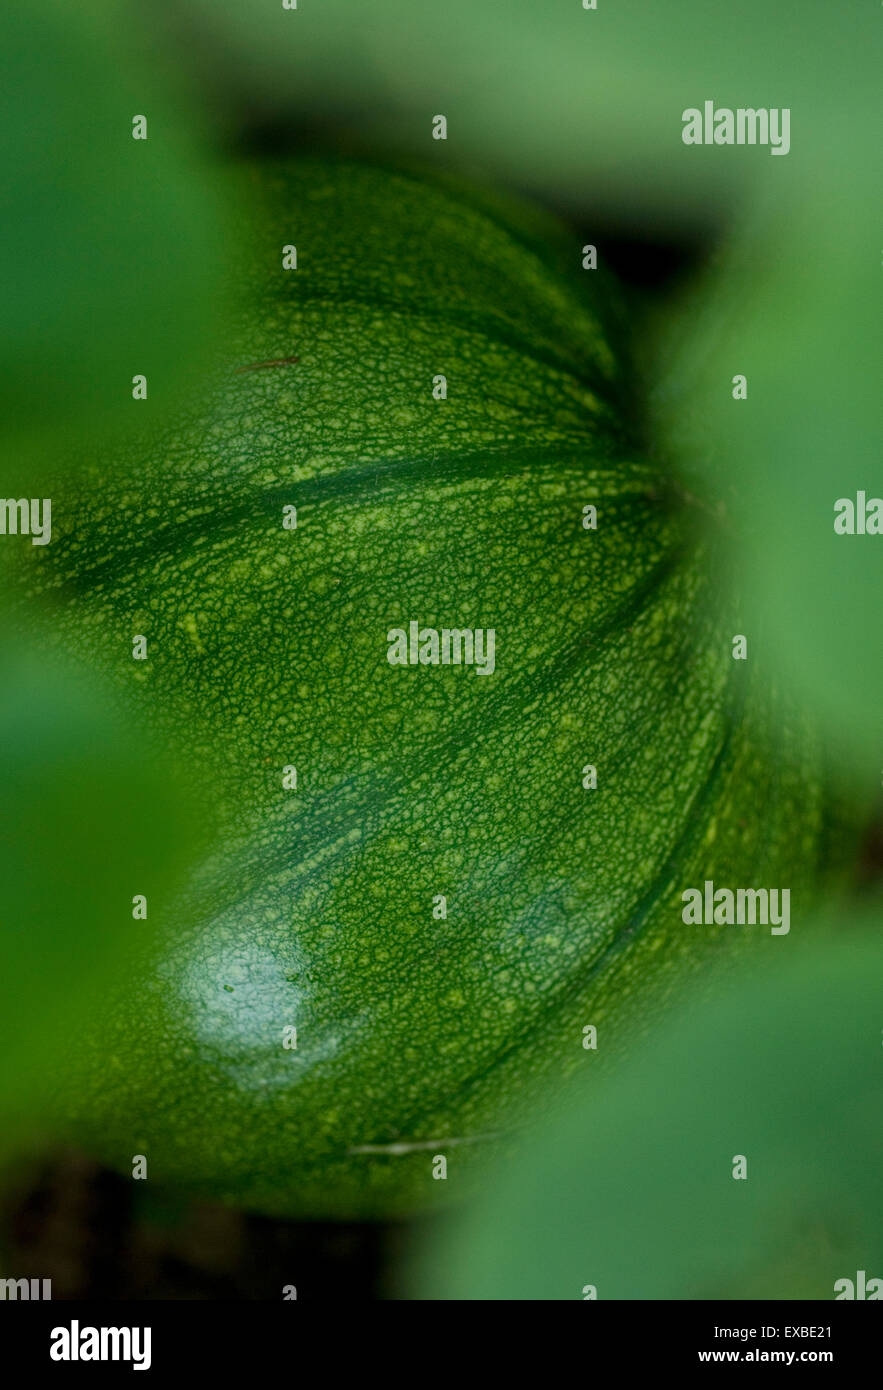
(423,1029)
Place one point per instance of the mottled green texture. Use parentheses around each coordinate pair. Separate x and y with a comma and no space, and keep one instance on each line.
(268,647)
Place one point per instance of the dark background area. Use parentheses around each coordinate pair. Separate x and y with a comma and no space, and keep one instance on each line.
(98,1235)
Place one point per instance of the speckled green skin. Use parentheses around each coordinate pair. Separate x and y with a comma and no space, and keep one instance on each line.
(268,647)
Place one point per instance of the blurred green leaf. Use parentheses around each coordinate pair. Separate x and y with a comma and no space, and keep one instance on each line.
(794,306)
(89,816)
(584,105)
(111,245)
(631,1188)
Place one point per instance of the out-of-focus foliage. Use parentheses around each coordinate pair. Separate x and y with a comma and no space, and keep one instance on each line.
(583,104)
(111,245)
(109,268)
(631,1190)
(794,306)
(88,819)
